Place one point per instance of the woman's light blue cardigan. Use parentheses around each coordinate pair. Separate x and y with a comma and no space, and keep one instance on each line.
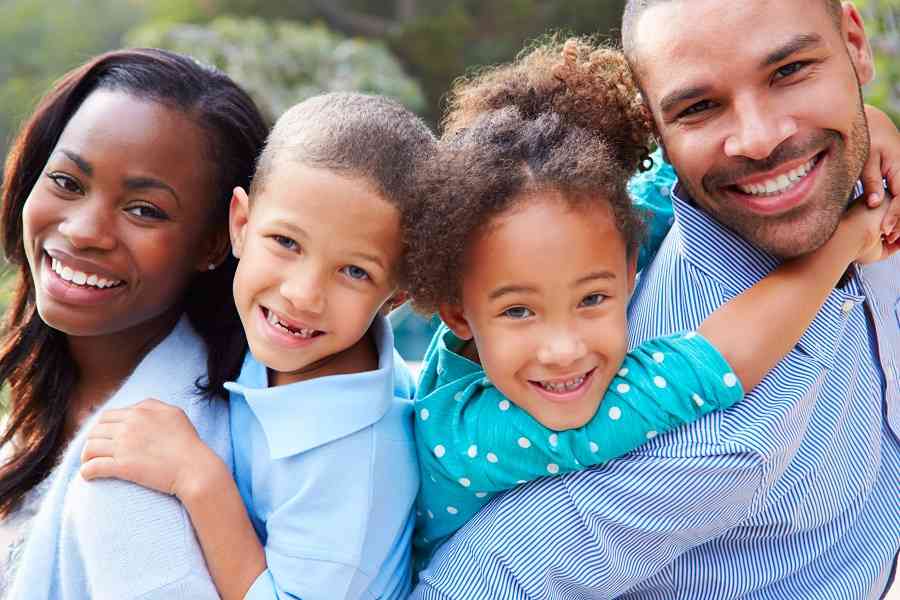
(110,539)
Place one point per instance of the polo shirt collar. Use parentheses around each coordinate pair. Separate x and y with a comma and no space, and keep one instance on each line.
(300,416)
(737,265)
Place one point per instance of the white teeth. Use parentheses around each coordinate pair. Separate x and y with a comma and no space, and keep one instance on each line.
(301,333)
(565,386)
(80,277)
(778,184)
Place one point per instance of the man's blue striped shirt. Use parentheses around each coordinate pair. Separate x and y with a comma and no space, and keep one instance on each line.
(793,493)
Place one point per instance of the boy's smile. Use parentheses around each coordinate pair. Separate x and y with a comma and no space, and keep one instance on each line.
(318,253)
(544,296)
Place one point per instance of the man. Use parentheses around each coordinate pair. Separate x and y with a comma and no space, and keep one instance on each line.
(794,493)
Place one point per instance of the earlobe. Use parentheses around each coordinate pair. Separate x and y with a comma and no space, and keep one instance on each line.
(857,42)
(238,216)
(453,316)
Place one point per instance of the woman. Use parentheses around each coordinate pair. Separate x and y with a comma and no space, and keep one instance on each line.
(115,211)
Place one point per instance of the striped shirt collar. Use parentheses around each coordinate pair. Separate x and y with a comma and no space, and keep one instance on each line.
(737,265)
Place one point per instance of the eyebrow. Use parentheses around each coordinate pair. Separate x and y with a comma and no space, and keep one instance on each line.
(525,289)
(79,161)
(143,183)
(799,42)
(605,275)
(675,98)
(369,257)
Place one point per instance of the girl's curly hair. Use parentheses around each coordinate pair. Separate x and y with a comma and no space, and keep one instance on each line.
(564,116)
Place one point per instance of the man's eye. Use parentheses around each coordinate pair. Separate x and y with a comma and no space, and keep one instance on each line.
(285,242)
(65,183)
(147,211)
(790,69)
(696,108)
(354,272)
(518,312)
(592,300)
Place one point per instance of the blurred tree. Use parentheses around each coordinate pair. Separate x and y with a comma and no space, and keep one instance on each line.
(283,62)
(882,19)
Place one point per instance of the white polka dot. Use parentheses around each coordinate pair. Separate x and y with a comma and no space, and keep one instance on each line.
(623,388)
(690,335)
(440,370)
(521,481)
(433,480)
(424,414)
(615,413)
(452,510)
(660,381)
(697,400)
(472,451)
(491,457)
(651,435)
(594,447)
(503,405)
(464,481)
(623,372)
(440,451)
(553,439)
(430,515)
(659,357)
(480,494)
(553,468)
(458,396)
(730,379)
(524,442)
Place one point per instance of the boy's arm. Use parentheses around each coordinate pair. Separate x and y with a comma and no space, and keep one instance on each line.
(125,444)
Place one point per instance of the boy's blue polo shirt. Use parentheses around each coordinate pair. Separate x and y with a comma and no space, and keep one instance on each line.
(327,470)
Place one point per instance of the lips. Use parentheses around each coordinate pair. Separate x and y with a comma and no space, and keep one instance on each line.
(790,189)
(290,327)
(565,388)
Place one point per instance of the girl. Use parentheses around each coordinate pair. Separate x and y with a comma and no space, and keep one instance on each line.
(325,472)
(527,247)
(114,212)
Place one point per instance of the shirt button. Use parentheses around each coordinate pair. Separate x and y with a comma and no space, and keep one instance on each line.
(848,306)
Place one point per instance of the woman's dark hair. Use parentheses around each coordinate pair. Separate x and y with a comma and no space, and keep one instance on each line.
(35,362)
(563,117)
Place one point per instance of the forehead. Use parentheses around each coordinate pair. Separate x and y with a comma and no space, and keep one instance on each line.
(679,41)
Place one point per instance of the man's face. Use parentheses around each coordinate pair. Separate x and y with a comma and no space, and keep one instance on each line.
(758,107)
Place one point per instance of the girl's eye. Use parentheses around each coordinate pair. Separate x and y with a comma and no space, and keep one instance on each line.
(354,272)
(789,69)
(592,300)
(285,242)
(518,312)
(147,211)
(65,183)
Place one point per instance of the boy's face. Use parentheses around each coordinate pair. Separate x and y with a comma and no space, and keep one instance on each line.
(759,109)
(544,296)
(318,253)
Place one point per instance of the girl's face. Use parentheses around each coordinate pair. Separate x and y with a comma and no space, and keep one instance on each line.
(544,296)
(120,218)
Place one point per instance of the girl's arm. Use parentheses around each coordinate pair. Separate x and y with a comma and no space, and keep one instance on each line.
(153,444)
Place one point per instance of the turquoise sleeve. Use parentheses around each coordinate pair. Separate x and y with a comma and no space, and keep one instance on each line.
(651,193)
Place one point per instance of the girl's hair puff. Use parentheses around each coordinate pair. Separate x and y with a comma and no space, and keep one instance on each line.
(564,116)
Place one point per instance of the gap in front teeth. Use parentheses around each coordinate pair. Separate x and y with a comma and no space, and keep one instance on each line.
(80,277)
(779,184)
(303,332)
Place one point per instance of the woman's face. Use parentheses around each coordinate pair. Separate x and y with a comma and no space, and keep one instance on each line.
(120,219)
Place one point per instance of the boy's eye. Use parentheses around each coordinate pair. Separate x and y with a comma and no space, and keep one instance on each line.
(592,300)
(354,272)
(147,211)
(518,312)
(65,183)
(285,242)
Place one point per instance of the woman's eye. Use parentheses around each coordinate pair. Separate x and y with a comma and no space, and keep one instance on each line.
(518,312)
(65,183)
(285,242)
(354,272)
(592,300)
(147,211)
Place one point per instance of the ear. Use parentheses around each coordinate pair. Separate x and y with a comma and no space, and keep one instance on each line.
(394,301)
(238,217)
(217,247)
(453,316)
(858,47)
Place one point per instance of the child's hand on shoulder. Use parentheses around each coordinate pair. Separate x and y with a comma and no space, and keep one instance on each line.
(883,164)
(152,444)
(862,225)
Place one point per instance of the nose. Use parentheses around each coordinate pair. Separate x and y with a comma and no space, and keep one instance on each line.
(89,225)
(304,288)
(561,348)
(759,130)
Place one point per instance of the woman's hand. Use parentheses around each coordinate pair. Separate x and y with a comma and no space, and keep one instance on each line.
(152,444)
(883,164)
